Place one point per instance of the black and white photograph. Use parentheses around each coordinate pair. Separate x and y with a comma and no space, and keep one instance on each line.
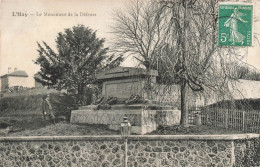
(130,83)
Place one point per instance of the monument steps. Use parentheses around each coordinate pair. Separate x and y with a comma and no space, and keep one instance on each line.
(130,107)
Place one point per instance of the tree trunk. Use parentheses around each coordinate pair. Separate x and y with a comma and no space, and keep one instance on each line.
(184,111)
(184,86)
(81,92)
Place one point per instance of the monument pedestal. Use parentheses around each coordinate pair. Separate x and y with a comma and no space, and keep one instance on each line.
(142,120)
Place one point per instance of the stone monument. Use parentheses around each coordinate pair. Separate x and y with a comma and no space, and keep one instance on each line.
(122,83)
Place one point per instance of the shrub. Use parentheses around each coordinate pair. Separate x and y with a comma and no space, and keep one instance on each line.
(32,104)
(239,104)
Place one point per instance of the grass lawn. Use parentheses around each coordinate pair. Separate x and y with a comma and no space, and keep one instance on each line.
(36,126)
(39,127)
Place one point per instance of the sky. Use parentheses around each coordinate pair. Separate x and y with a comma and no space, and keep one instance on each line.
(19,34)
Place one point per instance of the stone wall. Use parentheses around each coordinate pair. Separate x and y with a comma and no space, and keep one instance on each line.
(238,89)
(247,152)
(185,150)
(241,89)
(246,89)
(171,95)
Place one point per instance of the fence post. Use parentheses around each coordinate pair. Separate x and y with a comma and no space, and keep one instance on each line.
(226,119)
(207,116)
(243,121)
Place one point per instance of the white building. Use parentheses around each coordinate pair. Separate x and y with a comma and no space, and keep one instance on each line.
(15,78)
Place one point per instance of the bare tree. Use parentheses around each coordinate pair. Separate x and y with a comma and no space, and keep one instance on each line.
(180,36)
(139,30)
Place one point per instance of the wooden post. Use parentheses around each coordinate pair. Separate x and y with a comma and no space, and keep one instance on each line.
(207,117)
(215,118)
(226,119)
(243,121)
(232,119)
(258,122)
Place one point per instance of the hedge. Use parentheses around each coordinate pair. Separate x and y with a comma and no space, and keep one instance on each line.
(32,105)
(239,104)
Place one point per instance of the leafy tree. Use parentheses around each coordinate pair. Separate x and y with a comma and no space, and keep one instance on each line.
(80,55)
(179,38)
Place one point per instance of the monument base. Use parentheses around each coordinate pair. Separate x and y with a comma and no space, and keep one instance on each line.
(142,119)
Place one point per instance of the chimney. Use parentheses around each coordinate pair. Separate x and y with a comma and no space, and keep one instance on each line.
(15,69)
(9,69)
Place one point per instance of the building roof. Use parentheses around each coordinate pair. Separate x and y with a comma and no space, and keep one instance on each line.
(17,73)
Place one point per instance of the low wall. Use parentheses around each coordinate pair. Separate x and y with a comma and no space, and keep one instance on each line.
(172,150)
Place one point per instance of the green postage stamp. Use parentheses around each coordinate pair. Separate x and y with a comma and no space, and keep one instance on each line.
(235,24)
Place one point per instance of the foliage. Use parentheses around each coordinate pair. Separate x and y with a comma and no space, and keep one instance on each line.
(17,103)
(239,104)
(80,55)
(32,105)
(245,72)
(3,104)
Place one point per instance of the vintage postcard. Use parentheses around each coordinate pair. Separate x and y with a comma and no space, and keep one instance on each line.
(106,83)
